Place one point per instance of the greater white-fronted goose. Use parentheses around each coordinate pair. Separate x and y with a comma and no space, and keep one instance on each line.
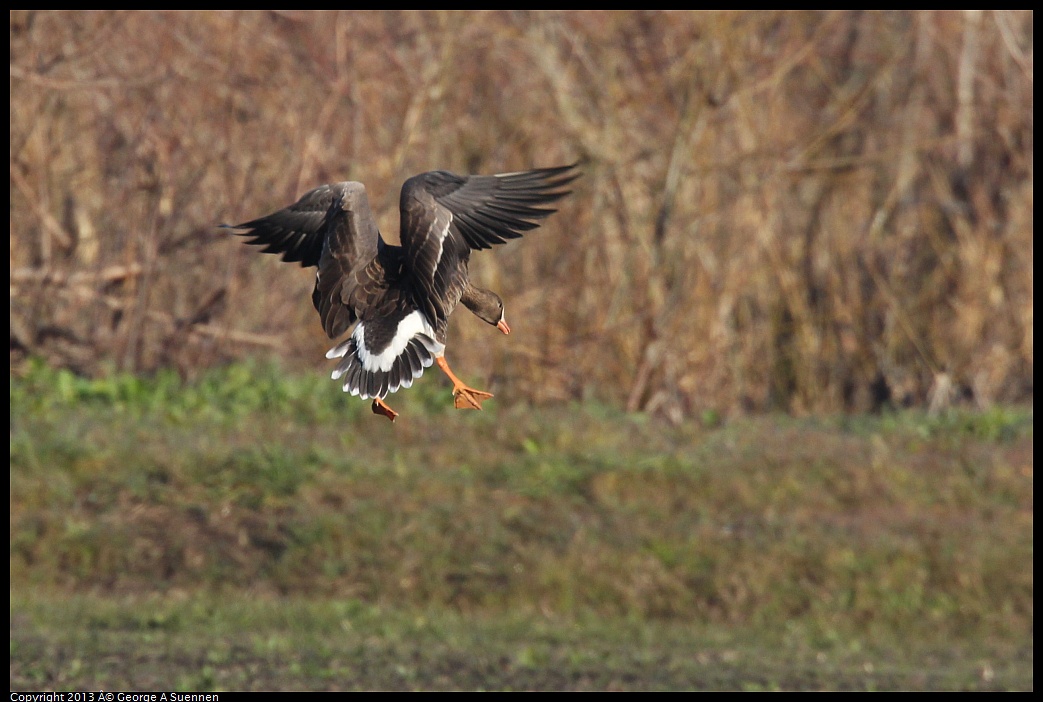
(399,297)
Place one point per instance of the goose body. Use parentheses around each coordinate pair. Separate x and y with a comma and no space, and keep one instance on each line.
(396,299)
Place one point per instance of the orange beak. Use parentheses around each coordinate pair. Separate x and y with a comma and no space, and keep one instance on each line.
(502,326)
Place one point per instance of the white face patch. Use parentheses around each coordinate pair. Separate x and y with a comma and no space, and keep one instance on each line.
(411,325)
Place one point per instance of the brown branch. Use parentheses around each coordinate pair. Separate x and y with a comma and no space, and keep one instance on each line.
(53,277)
(212,330)
(50,224)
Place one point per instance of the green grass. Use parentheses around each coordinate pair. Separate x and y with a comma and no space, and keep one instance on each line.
(250,530)
(207,643)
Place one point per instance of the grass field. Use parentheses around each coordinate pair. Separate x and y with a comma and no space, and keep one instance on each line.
(250,531)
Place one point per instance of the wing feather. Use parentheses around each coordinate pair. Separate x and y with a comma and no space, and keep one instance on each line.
(297,232)
(333,228)
(445,216)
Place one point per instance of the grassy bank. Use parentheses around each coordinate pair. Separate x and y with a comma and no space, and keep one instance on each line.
(251,530)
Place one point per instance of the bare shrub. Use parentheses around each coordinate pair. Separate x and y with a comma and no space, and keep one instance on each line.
(799,211)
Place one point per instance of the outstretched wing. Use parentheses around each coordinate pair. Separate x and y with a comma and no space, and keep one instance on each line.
(445,216)
(331,227)
(296,232)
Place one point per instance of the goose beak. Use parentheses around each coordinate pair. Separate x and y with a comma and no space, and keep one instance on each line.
(502,326)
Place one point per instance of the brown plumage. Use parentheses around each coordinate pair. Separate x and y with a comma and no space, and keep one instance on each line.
(399,297)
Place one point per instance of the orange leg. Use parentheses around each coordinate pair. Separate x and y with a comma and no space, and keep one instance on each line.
(464,397)
(380,408)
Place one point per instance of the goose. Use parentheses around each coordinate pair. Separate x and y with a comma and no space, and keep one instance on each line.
(396,298)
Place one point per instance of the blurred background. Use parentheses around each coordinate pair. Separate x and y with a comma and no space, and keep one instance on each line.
(807,212)
(764,420)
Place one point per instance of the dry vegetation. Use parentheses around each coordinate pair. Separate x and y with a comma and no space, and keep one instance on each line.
(799,211)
